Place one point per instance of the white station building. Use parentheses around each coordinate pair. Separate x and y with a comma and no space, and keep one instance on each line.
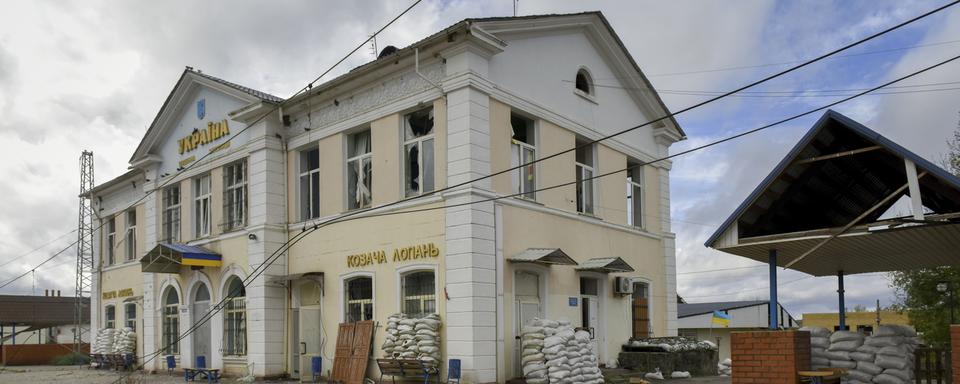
(226,175)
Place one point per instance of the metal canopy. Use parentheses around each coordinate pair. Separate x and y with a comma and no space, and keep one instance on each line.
(831,188)
(546,256)
(605,265)
(167,258)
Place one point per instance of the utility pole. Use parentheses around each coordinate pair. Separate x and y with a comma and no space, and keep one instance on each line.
(84,275)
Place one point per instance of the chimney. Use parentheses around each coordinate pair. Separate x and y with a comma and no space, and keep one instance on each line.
(46,292)
(58,293)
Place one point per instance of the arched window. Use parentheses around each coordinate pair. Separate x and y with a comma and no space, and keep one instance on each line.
(111,316)
(171,322)
(235,319)
(359,292)
(419,293)
(583,82)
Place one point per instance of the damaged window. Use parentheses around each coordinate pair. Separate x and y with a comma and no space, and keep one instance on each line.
(418,152)
(635,194)
(359,170)
(523,150)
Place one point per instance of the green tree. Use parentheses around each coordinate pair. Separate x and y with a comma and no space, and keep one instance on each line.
(917,295)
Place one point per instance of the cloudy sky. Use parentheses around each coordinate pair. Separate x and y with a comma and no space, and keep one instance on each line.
(91,75)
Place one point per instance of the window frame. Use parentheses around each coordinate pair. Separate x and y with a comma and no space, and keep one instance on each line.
(110,316)
(419,142)
(111,240)
(170,323)
(423,298)
(361,159)
(235,196)
(519,155)
(591,91)
(130,235)
(584,180)
(202,228)
(305,206)
(130,322)
(363,302)
(634,187)
(170,222)
(234,320)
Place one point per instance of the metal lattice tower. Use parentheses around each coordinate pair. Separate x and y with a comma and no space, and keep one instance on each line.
(84,244)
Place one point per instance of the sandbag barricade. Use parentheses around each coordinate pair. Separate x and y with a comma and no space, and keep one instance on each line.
(553,352)
(413,338)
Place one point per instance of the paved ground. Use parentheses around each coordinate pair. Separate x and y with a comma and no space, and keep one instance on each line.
(64,375)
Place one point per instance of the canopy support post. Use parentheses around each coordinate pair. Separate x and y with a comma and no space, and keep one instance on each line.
(913,183)
(773,306)
(843,308)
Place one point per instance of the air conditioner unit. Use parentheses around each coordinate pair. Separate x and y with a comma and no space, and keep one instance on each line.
(622,286)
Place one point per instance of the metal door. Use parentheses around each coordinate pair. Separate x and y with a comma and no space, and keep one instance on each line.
(310,338)
(527,292)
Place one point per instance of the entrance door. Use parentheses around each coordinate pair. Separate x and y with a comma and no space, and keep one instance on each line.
(527,293)
(590,310)
(309,344)
(641,310)
(201,334)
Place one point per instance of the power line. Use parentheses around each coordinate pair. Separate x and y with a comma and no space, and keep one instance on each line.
(38,265)
(793,93)
(289,243)
(741,67)
(36,249)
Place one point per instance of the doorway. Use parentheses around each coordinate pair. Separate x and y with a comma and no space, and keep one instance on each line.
(527,306)
(590,310)
(201,333)
(306,329)
(640,305)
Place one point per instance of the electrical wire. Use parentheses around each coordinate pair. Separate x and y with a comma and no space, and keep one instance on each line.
(37,249)
(38,266)
(778,285)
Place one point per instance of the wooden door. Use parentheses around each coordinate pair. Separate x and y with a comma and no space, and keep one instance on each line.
(360,353)
(641,317)
(341,360)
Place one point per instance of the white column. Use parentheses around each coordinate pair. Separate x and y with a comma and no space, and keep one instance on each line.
(148,336)
(669,253)
(266,303)
(470,239)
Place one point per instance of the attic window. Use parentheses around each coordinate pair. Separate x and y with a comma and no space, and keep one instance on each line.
(583,82)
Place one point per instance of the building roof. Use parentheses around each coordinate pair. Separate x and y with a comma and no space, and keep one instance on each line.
(252,92)
(831,188)
(41,310)
(693,309)
(466,25)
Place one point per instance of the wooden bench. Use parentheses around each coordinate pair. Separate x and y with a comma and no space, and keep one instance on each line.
(406,368)
(212,375)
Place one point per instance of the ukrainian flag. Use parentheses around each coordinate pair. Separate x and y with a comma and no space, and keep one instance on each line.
(721,319)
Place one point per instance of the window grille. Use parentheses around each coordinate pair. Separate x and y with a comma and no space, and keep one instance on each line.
(359,299)
(419,294)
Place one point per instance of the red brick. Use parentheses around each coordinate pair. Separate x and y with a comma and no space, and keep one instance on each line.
(769,357)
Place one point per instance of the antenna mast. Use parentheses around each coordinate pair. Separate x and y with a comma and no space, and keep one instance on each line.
(84,245)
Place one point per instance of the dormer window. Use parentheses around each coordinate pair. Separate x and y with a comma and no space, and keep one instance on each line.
(583,82)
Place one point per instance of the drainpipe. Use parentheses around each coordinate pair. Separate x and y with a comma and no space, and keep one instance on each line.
(416,66)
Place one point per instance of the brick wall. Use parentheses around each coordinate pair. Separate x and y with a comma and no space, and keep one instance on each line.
(769,357)
(955,351)
(36,354)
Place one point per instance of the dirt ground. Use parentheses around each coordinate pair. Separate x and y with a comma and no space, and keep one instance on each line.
(82,375)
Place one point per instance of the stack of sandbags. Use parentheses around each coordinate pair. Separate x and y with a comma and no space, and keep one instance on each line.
(125,341)
(531,356)
(725,367)
(408,338)
(895,345)
(842,344)
(819,342)
(865,371)
(391,341)
(103,344)
(554,353)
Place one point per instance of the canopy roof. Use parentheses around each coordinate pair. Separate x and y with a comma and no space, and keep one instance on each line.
(42,311)
(168,257)
(605,265)
(822,203)
(546,256)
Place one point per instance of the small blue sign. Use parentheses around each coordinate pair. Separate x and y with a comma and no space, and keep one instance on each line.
(573,302)
(201,108)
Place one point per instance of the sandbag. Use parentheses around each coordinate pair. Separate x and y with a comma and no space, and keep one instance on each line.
(848,345)
(892,362)
(843,364)
(884,378)
(903,374)
(837,355)
(817,331)
(862,356)
(844,336)
(869,367)
(861,376)
(884,341)
(819,342)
